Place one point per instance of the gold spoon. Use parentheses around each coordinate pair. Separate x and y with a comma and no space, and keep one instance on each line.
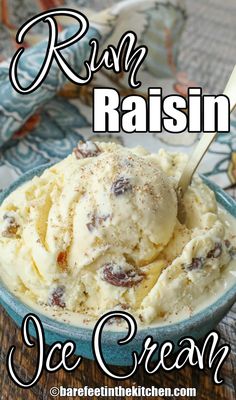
(201,149)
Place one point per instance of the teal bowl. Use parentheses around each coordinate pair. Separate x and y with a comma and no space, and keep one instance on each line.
(196,326)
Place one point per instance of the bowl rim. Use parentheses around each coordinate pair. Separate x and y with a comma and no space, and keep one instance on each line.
(78,332)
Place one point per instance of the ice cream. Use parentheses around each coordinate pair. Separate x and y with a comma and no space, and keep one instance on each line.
(99,231)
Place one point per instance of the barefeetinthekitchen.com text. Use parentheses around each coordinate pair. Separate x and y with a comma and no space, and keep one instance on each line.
(210,354)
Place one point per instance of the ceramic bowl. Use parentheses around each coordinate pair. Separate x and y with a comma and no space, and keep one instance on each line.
(196,326)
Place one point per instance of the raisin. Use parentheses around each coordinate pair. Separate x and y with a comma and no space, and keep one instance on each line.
(10,232)
(121,186)
(86,149)
(62,260)
(11,226)
(216,252)
(90,226)
(9,218)
(197,263)
(141,318)
(96,221)
(231,249)
(232,252)
(56,298)
(117,275)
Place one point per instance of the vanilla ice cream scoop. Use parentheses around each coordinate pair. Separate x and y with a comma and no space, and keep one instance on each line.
(129,208)
(99,231)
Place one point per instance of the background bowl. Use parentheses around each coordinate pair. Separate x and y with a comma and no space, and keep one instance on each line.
(196,326)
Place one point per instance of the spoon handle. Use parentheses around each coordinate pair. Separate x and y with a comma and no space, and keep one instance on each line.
(206,140)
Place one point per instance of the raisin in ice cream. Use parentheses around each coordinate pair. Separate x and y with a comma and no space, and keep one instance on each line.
(99,231)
